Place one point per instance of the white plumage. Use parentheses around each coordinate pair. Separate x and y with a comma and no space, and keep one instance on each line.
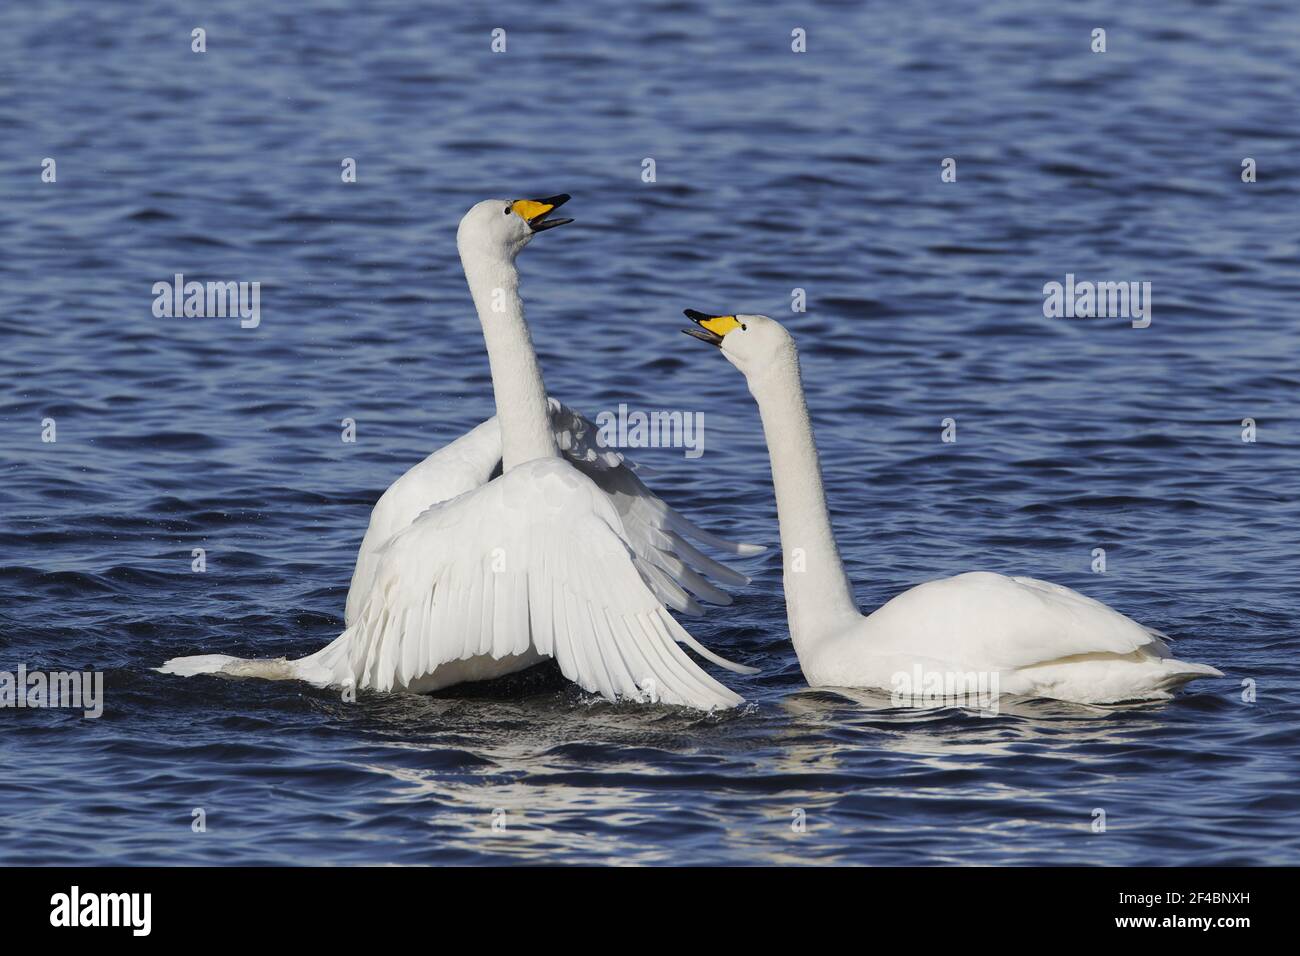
(1039,639)
(534,563)
(674,569)
(519,541)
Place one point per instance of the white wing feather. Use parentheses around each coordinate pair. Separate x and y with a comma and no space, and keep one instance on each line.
(991,621)
(656,532)
(675,570)
(455,468)
(534,559)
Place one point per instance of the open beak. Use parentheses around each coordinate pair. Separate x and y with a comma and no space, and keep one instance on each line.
(711,327)
(535,211)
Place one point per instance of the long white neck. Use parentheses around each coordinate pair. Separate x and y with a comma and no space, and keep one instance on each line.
(516,377)
(818,597)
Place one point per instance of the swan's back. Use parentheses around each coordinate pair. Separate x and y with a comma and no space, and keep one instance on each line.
(1042,638)
(1000,621)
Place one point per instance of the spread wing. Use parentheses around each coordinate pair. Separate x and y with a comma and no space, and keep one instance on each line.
(455,468)
(536,558)
(675,570)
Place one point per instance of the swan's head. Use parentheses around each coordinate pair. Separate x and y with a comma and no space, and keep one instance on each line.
(752,343)
(501,227)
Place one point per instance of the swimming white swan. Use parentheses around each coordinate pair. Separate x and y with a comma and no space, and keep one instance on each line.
(486,576)
(1040,639)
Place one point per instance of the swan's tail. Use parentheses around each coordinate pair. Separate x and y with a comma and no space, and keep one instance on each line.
(1177,673)
(325,668)
(1113,678)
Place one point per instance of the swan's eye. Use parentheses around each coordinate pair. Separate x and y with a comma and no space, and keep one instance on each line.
(507,210)
(744,327)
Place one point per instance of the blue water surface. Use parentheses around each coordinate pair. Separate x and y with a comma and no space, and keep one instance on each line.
(774,171)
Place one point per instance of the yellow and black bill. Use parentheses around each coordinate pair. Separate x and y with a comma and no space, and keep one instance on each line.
(711,327)
(535,211)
